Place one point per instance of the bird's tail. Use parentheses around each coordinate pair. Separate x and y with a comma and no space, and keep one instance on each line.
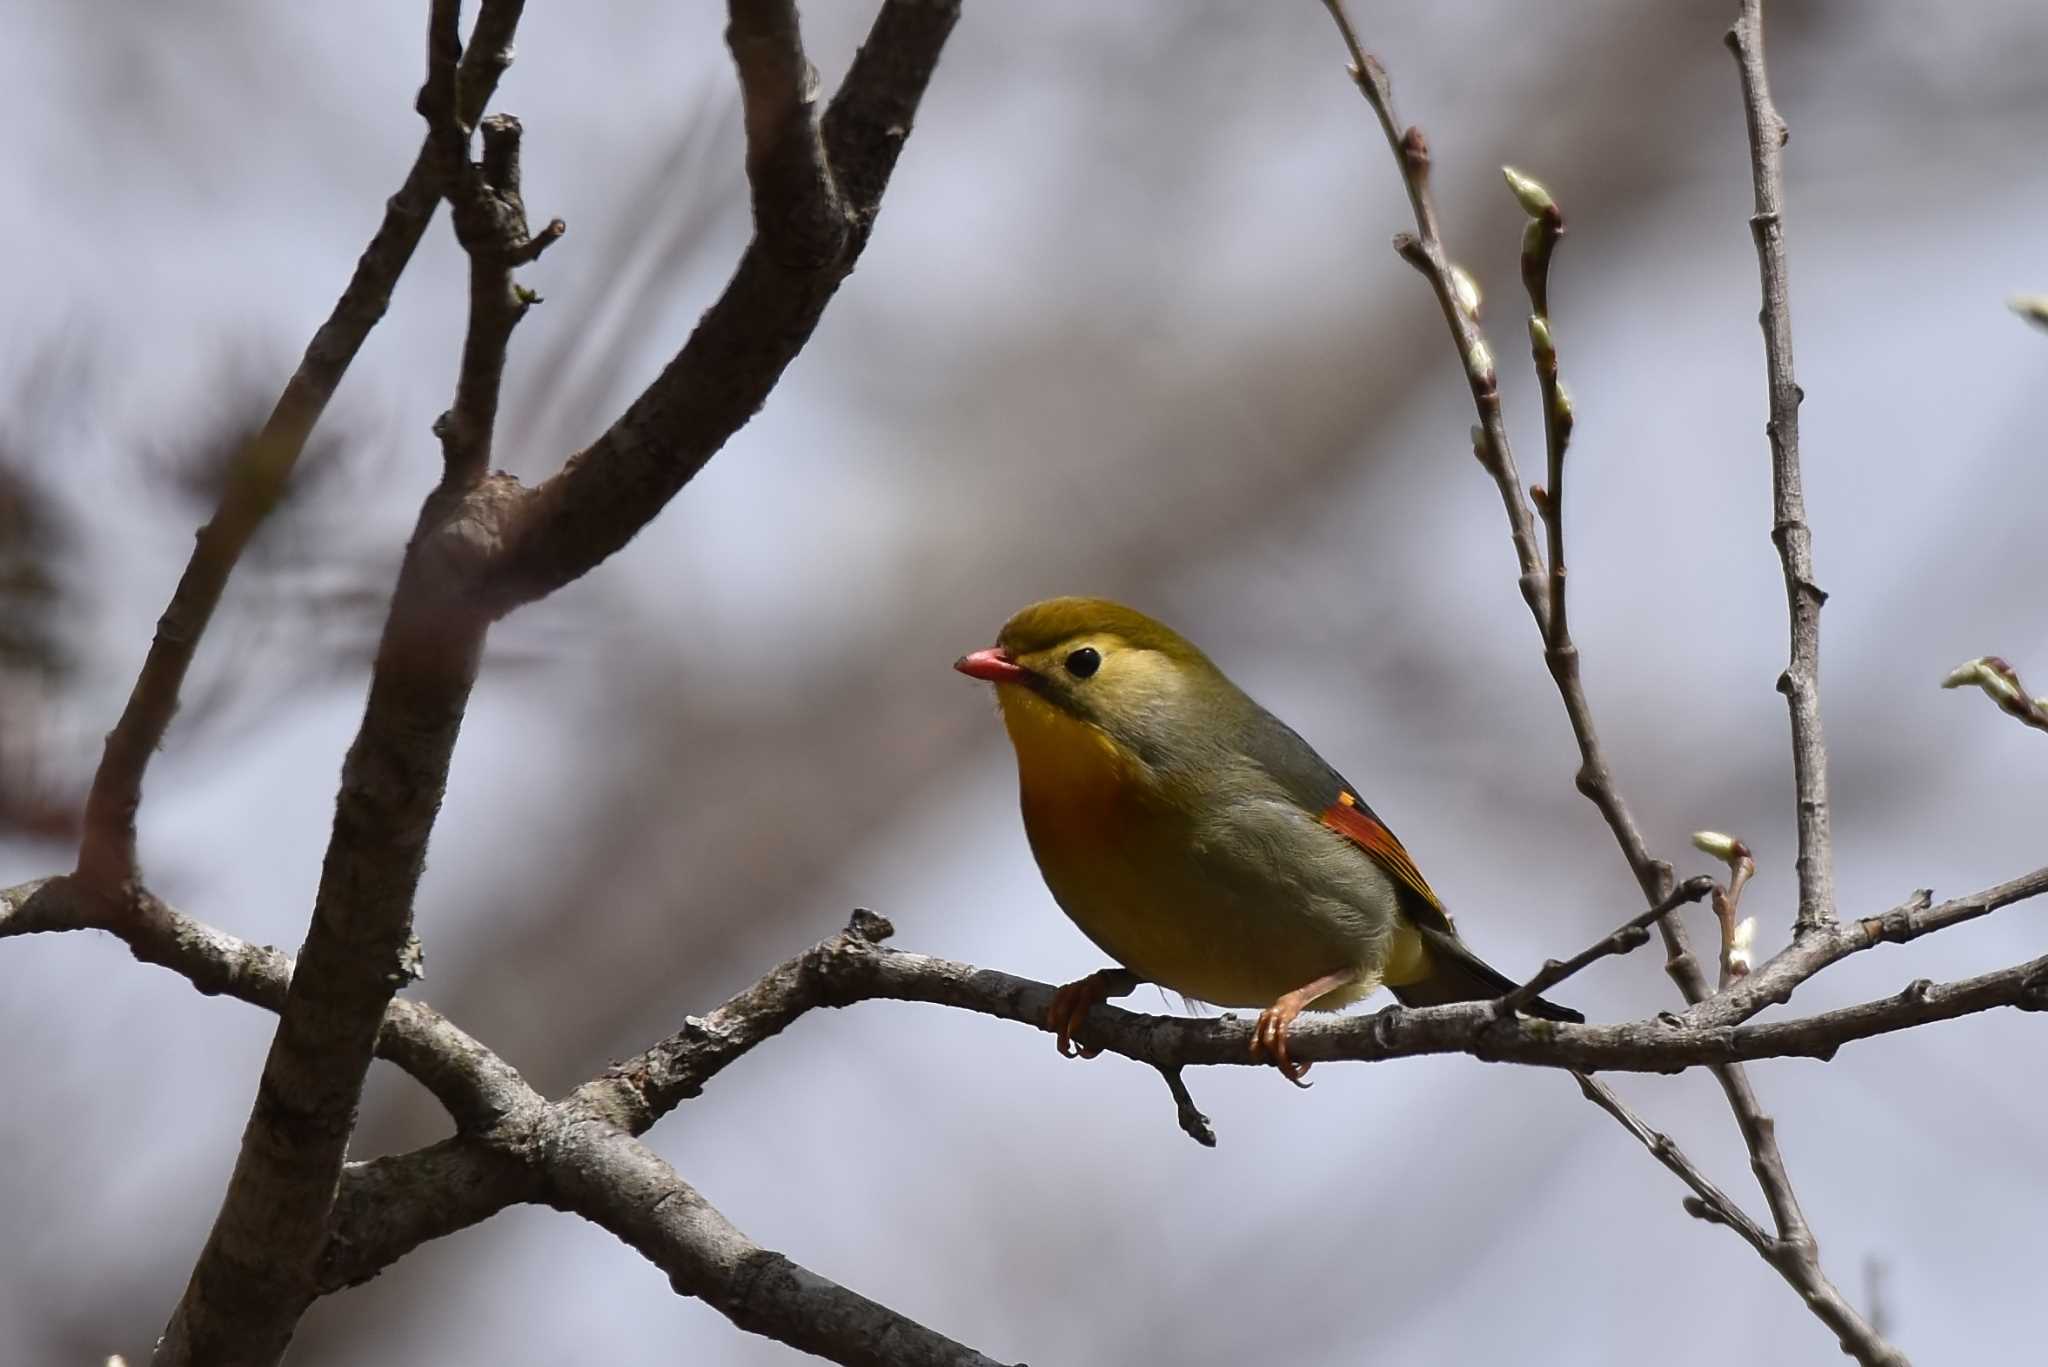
(1461,976)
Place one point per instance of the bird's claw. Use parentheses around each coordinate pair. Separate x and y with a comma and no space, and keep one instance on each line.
(1070,1007)
(1269,1043)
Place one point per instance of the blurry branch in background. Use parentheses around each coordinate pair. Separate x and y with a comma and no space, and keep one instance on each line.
(35,661)
(2001,683)
(260,471)
(1792,1250)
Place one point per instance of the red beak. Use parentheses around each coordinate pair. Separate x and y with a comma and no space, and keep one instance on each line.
(993,665)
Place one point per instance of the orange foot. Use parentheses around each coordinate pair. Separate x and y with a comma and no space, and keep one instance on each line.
(1072,1003)
(1269,1036)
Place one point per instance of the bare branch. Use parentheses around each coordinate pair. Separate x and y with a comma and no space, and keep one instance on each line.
(1546,603)
(1800,683)
(615,1181)
(2001,683)
(514,1148)
(106,856)
(1630,935)
(606,493)
(490,222)
(468,1079)
(1708,1202)
(1424,250)
(1773,982)
(256,1274)
(796,208)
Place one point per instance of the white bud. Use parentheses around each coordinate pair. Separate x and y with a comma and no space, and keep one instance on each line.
(1740,957)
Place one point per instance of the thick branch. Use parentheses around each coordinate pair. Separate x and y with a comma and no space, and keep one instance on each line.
(1800,683)
(257,1271)
(465,1077)
(258,475)
(797,211)
(1773,982)
(605,494)
(613,1180)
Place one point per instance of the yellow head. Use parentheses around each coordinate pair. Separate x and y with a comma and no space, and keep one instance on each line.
(1081,680)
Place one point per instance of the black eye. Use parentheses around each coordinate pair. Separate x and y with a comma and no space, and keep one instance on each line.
(1084,662)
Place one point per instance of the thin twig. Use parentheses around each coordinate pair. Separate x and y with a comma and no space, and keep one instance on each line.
(1800,683)
(257,478)
(1630,935)
(490,222)
(1708,1202)
(1424,249)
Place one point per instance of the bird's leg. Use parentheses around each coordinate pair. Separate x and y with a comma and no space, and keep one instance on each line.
(1269,1036)
(1072,1003)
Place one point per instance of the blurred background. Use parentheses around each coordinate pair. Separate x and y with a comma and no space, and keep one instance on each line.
(1129,325)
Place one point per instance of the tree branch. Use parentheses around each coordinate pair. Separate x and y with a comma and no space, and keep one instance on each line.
(1547,604)
(258,475)
(1708,1202)
(490,222)
(797,211)
(606,493)
(1773,982)
(470,1081)
(1800,683)
(1424,250)
(615,1181)
(1630,935)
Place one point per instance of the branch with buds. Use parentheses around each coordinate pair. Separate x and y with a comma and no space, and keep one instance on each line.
(2001,683)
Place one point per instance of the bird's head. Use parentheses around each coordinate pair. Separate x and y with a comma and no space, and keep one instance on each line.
(1102,663)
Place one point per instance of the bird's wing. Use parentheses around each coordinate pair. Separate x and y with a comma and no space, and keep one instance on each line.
(1293,763)
(1355,821)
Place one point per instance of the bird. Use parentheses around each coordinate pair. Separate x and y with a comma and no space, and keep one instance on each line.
(1201,843)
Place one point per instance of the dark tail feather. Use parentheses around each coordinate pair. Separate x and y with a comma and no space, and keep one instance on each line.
(1462,976)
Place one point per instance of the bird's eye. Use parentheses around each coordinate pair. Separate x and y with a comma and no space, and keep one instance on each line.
(1084,662)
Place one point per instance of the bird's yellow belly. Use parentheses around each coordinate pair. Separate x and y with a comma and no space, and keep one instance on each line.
(1120,861)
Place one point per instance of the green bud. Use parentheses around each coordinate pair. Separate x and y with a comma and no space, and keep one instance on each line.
(1530,194)
(1465,290)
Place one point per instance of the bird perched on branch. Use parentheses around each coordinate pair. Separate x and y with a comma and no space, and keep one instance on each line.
(1200,842)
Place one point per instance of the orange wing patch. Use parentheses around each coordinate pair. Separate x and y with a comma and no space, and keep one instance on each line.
(1351,821)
